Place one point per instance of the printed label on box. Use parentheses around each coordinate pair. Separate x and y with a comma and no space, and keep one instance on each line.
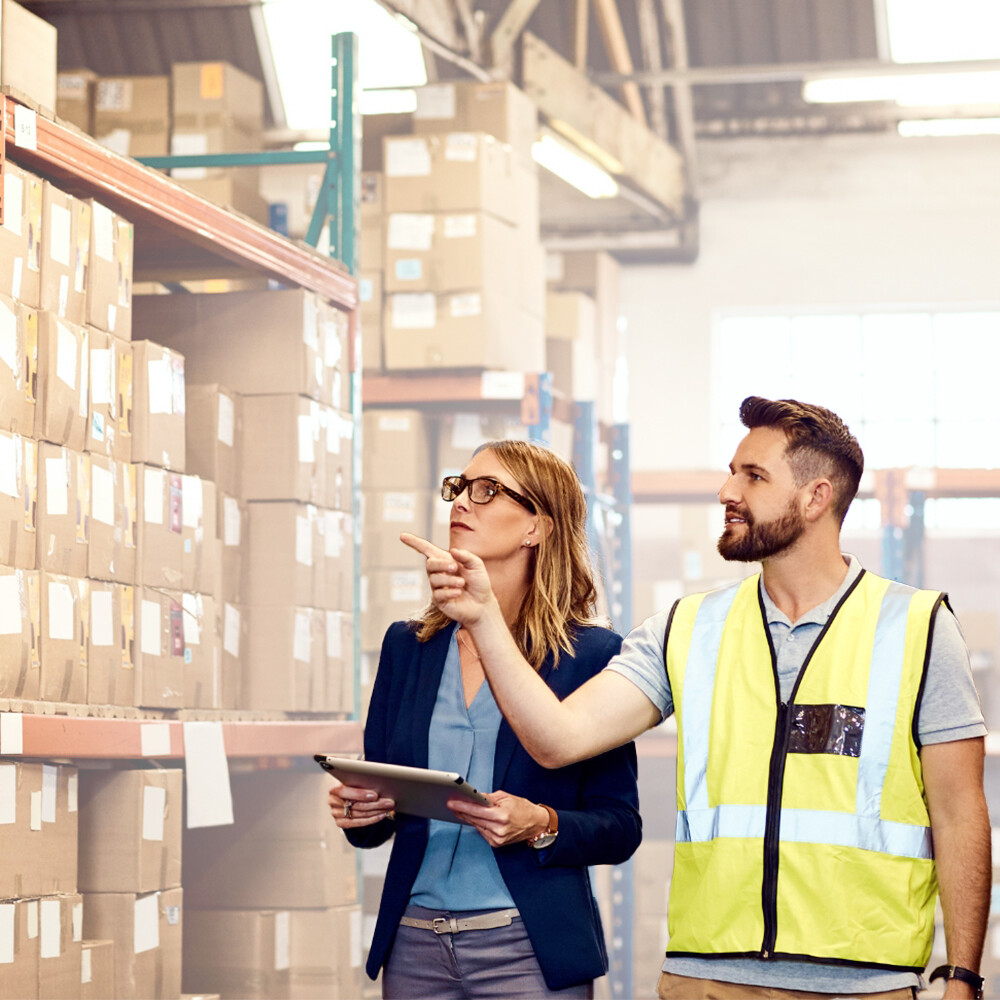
(460,226)
(303,540)
(102,621)
(154,808)
(60,219)
(62,611)
(50,921)
(7,911)
(67,347)
(146,927)
(227,420)
(410,231)
(407,158)
(399,508)
(150,625)
(192,501)
(282,941)
(114,95)
(102,391)
(414,310)
(461,147)
(57,486)
(231,631)
(102,500)
(10,606)
(435,101)
(467,304)
(302,638)
(160,386)
(50,786)
(104,233)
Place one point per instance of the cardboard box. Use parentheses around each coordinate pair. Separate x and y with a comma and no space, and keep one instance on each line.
(199,561)
(337,434)
(60,944)
(371,247)
(339,635)
(18,366)
(453,172)
(125,367)
(337,354)
(212,93)
(334,561)
(20,620)
(239,953)
(63,517)
(253,342)
(284,817)
(287,636)
(159,645)
(106,397)
(18,501)
(63,397)
(97,970)
(458,435)
(374,130)
(226,190)
(21,235)
(233,532)
(59,854)
(132,114)
(326,953)
(386,514)
(370,294)
(147,931)
(159,560)
(372,192)
(130,829)
(497,108)
(232,629)
(65,605)
(387,596)
(282,451)
(111,554)
(19,943)
(214,428)
(65,254)
(20,810)
(158,399)
(397,450)
(28,55)
(280,554)
(111,653)
(109,282)
(75,97)
(202,652)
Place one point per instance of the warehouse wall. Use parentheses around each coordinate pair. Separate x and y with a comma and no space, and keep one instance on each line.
(837,222)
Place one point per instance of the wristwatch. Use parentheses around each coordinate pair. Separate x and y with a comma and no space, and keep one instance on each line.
(548,837)
(962,975)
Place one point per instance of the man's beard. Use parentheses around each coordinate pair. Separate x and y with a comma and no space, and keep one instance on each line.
(762,539)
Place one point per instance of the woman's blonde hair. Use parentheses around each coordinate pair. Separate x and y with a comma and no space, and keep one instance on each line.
(562,592)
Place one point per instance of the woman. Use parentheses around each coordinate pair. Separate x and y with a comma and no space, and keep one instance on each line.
(514,872)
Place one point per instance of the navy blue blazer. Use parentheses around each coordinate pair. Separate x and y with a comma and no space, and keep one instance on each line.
(597,801)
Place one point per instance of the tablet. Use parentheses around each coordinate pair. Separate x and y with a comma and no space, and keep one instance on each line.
(418,791)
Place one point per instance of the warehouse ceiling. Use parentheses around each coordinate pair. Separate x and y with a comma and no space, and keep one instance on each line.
(687,70)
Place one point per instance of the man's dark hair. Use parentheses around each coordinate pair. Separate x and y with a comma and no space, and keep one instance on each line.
(819,444)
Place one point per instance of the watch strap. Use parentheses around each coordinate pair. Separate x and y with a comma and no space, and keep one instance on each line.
(553,825)
(963,975)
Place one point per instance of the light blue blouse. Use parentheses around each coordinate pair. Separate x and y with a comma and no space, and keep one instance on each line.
(459,871)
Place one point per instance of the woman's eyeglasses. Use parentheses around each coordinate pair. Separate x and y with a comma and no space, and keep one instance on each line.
(481,490)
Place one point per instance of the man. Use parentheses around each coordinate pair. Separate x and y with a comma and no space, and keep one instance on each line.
(830,740)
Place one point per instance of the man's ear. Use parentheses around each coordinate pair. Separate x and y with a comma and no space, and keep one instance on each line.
(818,499)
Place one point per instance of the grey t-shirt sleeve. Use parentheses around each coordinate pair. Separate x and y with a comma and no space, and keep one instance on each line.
(949,707)
(641,661)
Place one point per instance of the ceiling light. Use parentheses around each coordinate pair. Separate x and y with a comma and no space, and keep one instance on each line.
(950,126)
(573,167)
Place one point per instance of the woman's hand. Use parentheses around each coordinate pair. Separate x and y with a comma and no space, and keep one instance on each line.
(352,806)
(508,819)
(460,585)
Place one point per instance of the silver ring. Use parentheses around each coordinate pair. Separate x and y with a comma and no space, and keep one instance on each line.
(347,810)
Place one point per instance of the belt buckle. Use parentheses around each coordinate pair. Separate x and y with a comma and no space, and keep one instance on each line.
(440,925)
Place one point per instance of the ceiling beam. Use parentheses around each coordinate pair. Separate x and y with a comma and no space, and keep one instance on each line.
(616,45)
(581,33)
(673,14)
(508,29)
(472,28)
(652,56)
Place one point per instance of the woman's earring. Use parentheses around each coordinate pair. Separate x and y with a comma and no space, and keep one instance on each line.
(528,543)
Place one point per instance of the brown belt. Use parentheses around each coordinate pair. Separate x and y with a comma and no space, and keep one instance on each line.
(453,925)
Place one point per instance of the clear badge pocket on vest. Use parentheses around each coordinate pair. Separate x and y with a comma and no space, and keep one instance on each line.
(835,729)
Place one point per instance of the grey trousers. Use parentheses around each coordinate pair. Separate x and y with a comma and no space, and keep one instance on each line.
(496,963)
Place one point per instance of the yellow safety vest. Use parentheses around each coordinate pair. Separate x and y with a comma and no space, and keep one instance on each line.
(802,829)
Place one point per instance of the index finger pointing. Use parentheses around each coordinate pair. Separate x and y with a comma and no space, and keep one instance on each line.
(424,547)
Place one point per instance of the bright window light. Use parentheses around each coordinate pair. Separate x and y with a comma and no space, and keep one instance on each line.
(950,126)
(389,54)
(574,168)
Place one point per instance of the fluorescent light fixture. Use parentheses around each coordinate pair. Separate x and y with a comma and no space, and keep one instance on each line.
(573,167)
(950,126)
(926,90)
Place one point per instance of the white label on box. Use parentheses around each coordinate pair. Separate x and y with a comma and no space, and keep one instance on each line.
(399,508)
(194,614)
(407,157)
(332,348)
(334,639)
(32,919)
(112,317)
(555,267)
(410,231)
(302,639)
(413,310)
(282,941)
(146,928)
(84,377)
(227,420)
(104,232)
(154,739)
(173,915)
(50,785)
(10,605)
(406,586)
(73,791)
(86,975)
(466,431)
(50,919)
(25,127)
(13,202)
(102,494)
(154,809)
(502,385)
(67,347)
(310,323)
(192,501)
(354,922)
(303,540)
(189,144)
(102,619)
(161,386)
(307,439)
(366,288)
(15,281)
(11,734)
(7,933)
(8,794)
(231,631)
(35,811)
(113,94)
(436,100)
(8,339)
(150,625)
(62,611)
(395,422)
(101,381)
(460,226)
(59,234)
(462,147)
(10,464)
(466,304)
(333,542)
(77,921)
(231,519)
(154,483)
(409,269)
